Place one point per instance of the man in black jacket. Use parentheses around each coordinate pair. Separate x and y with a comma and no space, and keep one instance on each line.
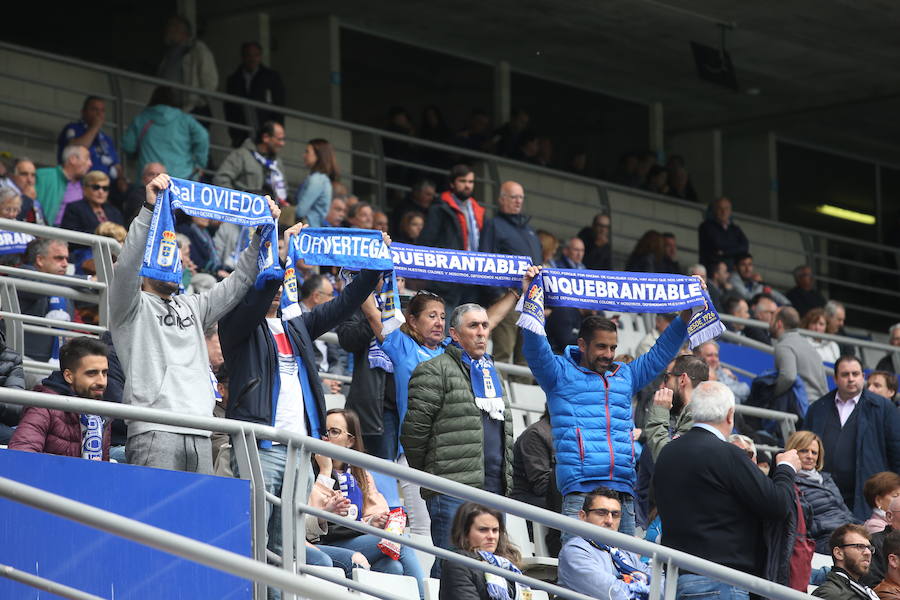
(272,369)
(509,233)
(254,81)
(852,553)
(712,500)
(719,237)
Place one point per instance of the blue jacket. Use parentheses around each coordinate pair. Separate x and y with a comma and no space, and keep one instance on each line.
(877,438)
(591,413)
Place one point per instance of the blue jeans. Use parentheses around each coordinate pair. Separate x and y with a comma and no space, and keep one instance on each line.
(385,444)
(331,556)
(367,545)
(441,509)
(700,587)
(574,502)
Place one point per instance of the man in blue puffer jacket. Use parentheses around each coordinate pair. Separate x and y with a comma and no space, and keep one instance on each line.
(589,398)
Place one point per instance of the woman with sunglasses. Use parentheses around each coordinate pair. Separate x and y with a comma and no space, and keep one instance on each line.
(367,504)
(94,208)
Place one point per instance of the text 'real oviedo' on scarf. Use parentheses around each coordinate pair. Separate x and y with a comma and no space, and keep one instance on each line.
(355,249)
(486,386)
(162,260)
(623,292)
(496,585)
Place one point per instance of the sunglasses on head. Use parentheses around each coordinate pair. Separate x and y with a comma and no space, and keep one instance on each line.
(97,187)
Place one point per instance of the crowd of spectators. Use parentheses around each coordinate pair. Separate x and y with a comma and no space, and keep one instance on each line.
(412,397)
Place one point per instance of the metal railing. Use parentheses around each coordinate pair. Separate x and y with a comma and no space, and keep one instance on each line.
(300,447)
(371,167)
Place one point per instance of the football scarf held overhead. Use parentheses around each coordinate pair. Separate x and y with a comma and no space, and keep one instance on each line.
(162,260)
(290,291)
(459,266)
(355,249)
(13,242)
(623,292)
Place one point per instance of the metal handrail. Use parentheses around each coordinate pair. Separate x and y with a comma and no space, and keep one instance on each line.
(167,541)
(841,339)
(47,585)
(659,554)
(602,186)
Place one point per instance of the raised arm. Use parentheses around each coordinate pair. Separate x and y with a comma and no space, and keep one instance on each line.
(537,349)
(499,309)
(225,295)
(124,290)
(373,318)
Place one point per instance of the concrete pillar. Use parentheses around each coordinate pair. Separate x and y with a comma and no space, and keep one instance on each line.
(702,152)
(502,92)
(749,173)
(307,53)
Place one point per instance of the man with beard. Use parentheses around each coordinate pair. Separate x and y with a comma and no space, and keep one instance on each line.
(454,221)
(670,411)
(83,369)
(159,338)
(852,552)
(593,429)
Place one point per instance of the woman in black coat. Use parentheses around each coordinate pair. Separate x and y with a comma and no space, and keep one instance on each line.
(479,532)
(818,489)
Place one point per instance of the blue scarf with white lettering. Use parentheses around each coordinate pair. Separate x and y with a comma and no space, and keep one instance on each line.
(355,249)
(623,292)
(92,436)
(161,257)
(496,586)
(13,242)
(57,308)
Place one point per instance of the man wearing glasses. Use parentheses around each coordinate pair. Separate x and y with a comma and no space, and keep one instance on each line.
(597,569)
(852,553)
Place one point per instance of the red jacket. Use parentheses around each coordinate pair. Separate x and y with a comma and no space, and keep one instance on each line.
(51,431)
(450,200)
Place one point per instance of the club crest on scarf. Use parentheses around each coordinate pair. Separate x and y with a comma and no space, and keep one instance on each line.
(161,257)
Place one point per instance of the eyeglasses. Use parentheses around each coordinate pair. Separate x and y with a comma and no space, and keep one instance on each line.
(860,547)
(333,432)
(605,512)
(429,294)
(97,187)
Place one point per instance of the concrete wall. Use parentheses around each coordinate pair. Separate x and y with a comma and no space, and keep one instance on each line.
(749,173)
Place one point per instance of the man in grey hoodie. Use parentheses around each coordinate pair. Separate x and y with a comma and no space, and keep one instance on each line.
(795,356)
(159,338)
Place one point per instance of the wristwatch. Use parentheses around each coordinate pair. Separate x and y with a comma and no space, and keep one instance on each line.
(149,206)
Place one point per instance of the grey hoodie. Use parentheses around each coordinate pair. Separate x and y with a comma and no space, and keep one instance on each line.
(161,343)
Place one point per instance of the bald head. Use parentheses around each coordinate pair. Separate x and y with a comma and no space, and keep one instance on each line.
(151,170)
(574,249)
(512,196)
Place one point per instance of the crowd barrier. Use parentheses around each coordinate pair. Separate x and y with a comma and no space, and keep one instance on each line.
(292,503)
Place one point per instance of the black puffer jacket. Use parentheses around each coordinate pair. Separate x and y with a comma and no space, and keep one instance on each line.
(828,509)
(11,376)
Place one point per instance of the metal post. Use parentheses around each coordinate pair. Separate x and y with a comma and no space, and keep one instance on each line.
(304,494)
(45,584)
(154,537)
(671,580)
(655,576)
(258,521)
(288,516)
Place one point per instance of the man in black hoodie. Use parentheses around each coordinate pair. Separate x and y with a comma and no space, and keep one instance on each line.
(509,233)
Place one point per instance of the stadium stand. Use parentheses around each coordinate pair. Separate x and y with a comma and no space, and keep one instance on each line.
(557,202)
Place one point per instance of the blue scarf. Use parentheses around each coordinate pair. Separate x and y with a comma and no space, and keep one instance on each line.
(486,386)
(13,242)
(162,260)
(57,308)
(290,291)
(92,436)
(634,577)
(274,177)
(350,489)
(625,292)
(496,585)
(243,240)
(355,249)
(459,266)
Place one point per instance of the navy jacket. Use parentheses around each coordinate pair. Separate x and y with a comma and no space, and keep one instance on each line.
(877,438)
(828,509)
(249,350)
(79,216)
(717,243)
